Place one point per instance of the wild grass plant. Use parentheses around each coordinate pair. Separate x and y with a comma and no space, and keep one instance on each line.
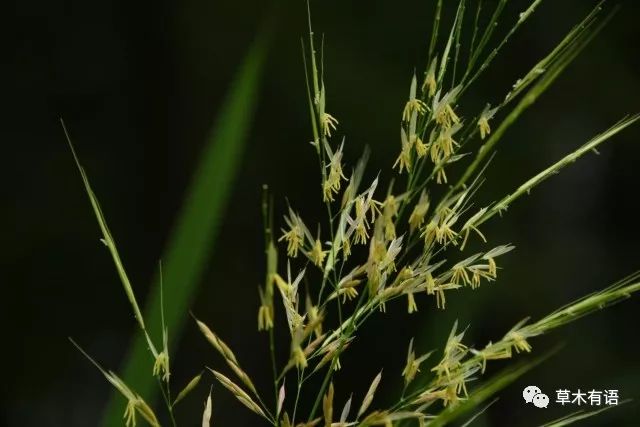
(407,243)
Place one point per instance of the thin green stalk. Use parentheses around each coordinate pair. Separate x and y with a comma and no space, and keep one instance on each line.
(522,18)
(491,26)
(475,29)
(167,401)
(458,32)
(107,239)
(298,390)
(570,158)
(434,32)
(573,48)
(445,55)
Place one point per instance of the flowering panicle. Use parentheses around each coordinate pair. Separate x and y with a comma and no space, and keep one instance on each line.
(392,247)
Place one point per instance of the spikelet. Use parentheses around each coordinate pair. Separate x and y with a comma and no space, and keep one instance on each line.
(227,354)
(188,388)
(240,394)
(206,414)
(327,406)
(368,398)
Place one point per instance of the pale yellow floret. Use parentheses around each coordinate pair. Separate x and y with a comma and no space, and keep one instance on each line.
(265,312)
(161,366)
(447,144)
(441,176)
(483,125)
(412,367)
(421,147)
(441,300)
(411,301)
(295,240)
(389,212)
(429,233)
(315,319)
(460,274)
(317,255)
(430,85)
(483,122)
(445,234)
(298,357)
(360,224)
(429,283)
(493,268)
(519,342)
(419,211)
(346,248)
(413,105)
(296,234)
(327,122)
(265,318)
(333,180)
(404,158)
(130,414)
(444,114)
(446,117)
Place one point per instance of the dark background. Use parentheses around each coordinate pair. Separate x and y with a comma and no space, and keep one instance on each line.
(139,84)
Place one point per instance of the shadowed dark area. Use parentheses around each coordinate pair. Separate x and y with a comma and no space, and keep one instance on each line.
(139,85)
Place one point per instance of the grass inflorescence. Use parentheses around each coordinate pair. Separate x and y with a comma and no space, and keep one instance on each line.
(408,242)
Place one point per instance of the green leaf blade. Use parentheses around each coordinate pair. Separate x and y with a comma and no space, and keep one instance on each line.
(192,239)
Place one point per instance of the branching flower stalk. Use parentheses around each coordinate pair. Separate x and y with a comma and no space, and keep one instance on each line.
(376,247)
